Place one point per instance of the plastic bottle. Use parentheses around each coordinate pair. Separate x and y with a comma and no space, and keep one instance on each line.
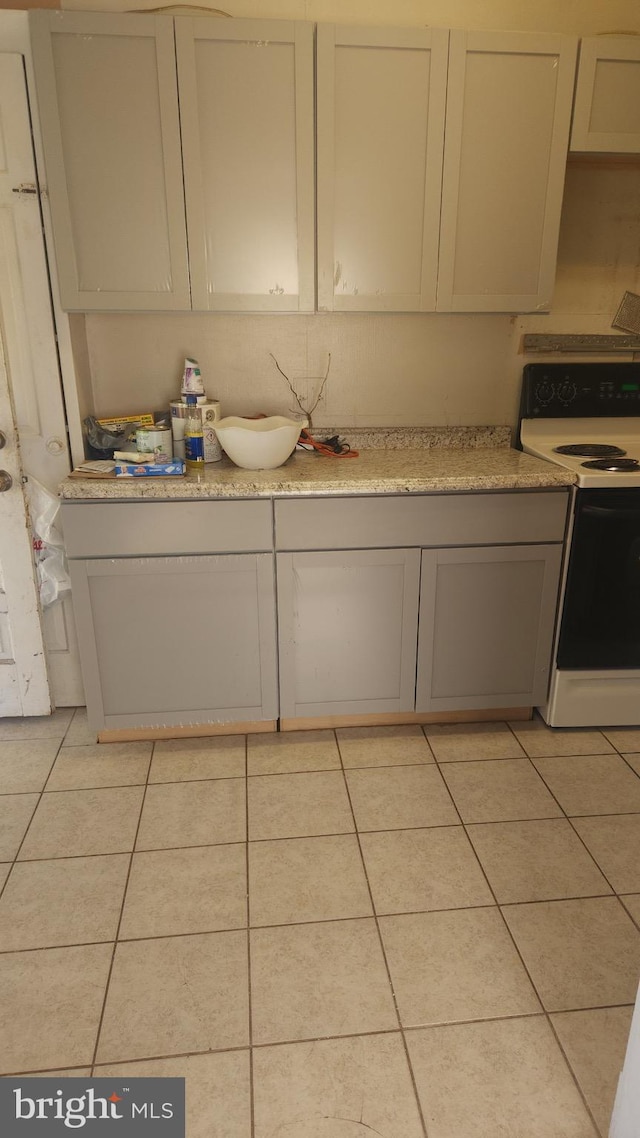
(191,379)
(194,436)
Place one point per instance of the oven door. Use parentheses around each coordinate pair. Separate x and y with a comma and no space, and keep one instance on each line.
(601,611)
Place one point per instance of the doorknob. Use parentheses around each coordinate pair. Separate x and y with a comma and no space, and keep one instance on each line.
(3,440)
(6,481)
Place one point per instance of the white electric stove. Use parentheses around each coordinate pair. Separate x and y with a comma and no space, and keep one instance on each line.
(612,444)
(586,418)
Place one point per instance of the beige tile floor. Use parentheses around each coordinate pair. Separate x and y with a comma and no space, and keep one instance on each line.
(426,933)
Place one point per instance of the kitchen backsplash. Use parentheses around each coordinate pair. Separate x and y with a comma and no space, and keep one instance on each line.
(385,370)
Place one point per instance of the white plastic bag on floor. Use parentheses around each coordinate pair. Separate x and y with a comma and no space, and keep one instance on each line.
(48,546)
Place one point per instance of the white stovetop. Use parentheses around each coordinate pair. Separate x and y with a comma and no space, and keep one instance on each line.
(540,437)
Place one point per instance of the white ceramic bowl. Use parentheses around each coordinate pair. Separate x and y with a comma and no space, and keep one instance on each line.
(258,444)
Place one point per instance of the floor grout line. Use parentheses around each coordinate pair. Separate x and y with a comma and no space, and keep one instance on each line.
(537,992)
(524,965)
(328,834)
(368,916)
(384,957)
(14,860)
(252,1093)
(45,789)
(122,907)
(636,920)
(326,1038)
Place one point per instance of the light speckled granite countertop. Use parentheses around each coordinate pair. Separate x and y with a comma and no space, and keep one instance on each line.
(438,459)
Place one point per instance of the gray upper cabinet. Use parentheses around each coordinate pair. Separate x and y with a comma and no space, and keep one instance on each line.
(440,162)
(108,106)
(380,121)
(506,136)
(246,107)
(606,115)
(486,626)
(402,228)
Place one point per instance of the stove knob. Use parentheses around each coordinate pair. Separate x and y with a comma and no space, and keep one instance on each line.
(545,392)
(567,392)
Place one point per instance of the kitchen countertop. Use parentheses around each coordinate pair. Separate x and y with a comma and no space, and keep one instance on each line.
(406,470)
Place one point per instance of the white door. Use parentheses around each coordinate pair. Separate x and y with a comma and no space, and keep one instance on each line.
(24,686)
(30,346)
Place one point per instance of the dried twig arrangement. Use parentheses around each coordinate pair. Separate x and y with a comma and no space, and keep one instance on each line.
(293,391)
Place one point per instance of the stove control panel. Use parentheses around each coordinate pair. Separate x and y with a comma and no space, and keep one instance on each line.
(556,391)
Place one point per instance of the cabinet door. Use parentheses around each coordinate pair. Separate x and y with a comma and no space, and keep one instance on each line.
(606,112)
(347,631)
(486,626)
(246,107)
(380,122)
(507,128)
(176,640)
(108,105)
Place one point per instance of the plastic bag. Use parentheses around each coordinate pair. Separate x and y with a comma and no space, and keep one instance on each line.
(48,546)
(102,442)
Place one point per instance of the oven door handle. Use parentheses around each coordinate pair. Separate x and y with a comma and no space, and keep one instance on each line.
(611,512)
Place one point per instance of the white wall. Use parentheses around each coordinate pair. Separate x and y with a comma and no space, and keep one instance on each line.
(580,17)
(599,250)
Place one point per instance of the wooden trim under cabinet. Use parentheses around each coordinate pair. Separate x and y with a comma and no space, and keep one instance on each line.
(481,715)
(203,730)
(192,731)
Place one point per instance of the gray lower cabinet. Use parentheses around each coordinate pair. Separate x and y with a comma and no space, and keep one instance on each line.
(175,603)
(347,625)
(486,626)
(168,641)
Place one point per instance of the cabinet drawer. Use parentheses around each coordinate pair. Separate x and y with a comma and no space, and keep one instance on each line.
(423,520)
(138,529)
